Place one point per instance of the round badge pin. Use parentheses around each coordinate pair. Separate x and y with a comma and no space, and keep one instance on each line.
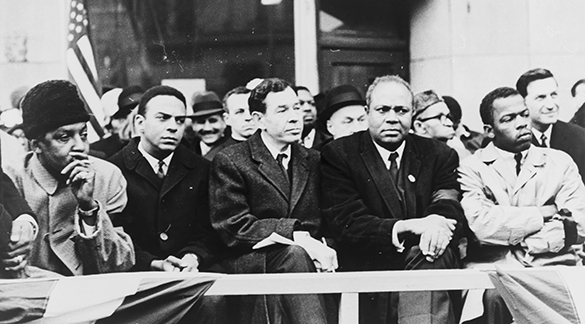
(411,178)
(163,236)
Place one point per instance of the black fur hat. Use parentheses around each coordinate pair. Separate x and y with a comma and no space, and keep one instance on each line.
(50,105)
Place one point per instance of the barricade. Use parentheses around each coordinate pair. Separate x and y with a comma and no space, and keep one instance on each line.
(349,284)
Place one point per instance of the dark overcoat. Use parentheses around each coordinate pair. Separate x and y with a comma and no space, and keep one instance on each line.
(178,207)
(362,204)
(251,199)
(570,139)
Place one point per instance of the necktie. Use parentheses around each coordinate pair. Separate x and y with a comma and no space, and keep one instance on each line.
(393,167)
(543,141)
(160,173)
(518,158)
(280,158)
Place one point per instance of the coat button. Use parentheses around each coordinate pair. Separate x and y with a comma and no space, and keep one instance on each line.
(163,236)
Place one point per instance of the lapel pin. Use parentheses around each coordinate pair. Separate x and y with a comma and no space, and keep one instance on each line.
(411,178)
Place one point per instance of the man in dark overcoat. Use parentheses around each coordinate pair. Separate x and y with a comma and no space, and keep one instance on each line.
(269,185)
(167,214)
(391,200)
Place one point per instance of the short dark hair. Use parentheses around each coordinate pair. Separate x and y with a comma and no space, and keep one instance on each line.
(236,90)
(161,90)
(256,100)
(530,76)
(297,88)
(487,103)
(574,87)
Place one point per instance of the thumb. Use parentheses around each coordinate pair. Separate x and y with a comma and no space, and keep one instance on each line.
(16,233)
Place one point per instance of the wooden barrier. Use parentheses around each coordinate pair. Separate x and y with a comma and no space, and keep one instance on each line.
(349,284)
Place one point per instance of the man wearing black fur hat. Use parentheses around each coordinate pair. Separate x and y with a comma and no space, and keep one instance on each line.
(72,194)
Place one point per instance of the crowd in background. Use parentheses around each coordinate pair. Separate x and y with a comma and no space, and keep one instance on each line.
(273,178)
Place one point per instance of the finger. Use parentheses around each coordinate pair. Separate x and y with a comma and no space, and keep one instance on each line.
(443,245)
(24,249)
(79,177)
(424,244)
(16,233)
(13,262)
(439,244)
(72,165)
(79,155)
(168,267)
(18,267)
(318,265)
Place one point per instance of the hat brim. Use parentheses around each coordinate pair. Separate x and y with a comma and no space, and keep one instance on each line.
(329,111)
(203,113)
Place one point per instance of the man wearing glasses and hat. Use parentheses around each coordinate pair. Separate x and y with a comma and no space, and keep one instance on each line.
(432,117)
(208,124)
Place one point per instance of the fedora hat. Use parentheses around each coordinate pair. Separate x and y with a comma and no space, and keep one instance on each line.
(206,103)
(339,97)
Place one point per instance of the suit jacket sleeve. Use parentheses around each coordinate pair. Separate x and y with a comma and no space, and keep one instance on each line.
(493,224)
(445,188)
(231,213)
(350,219)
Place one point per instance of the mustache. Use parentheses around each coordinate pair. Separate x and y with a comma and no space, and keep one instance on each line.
(210,132)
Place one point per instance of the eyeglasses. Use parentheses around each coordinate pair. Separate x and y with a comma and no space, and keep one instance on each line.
(441,117)
(310,102)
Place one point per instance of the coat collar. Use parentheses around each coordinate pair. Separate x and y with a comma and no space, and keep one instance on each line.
(535,159)
(396,197)
(180,165)
(269,168)
(41,175)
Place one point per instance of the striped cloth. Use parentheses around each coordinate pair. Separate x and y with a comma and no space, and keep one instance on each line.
(543,295)
(138,297)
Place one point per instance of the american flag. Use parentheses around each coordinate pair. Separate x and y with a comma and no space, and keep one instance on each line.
(81,63)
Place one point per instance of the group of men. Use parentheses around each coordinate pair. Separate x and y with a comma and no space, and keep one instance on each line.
(385,193)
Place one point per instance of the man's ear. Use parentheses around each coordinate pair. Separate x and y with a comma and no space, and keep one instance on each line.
(226,118)
(418,127)
(488,130)
(258,119)
(139,123)
(34,144)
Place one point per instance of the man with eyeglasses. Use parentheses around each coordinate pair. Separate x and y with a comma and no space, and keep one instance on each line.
(391,200)
(432,117)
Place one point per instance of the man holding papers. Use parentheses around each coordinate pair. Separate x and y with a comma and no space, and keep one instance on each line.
(269,185)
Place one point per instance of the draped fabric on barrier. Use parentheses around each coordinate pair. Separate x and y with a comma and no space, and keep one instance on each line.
(140,297)
(544,295)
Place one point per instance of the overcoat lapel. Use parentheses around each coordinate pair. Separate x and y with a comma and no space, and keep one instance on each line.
(178,169)
(411,164)
(300,174)
(535,159)
(381,176)
(135,161)
(268,166)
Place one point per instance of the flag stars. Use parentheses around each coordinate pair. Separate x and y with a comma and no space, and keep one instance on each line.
(80,6)
(73,4)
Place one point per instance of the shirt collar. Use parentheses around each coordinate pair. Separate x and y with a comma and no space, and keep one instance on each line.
(385,154)
(152,161)
(538,134)
(274,151)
